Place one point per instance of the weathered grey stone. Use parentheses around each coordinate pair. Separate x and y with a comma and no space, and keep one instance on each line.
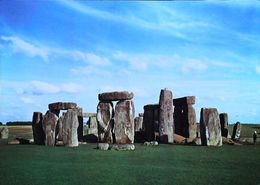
(92,126)
(59,129)
(103,146)
(138,123)
(89,114)
(70,127)
(236,131)
(62,106)
(124,122)
(115,96)
(141,114)
(151,143)
(49,123)
(4,133)
(210,129)
(105,122)
(123,147)
(224,124)
(188,100)
(151,121)
(166,116)
(80,120)
(38,133)
(185,117)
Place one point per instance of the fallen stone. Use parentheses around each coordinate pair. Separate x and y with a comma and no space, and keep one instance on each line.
(59,143)
(166,116)
(4,133)
(188,100)
(138,121)
(70,127)
(103,146)
(124,122)
(179,139)
(224,124)
(91,138)
(105,114)
(49,126)
(62,106)
(210,129)
(236,131)
(123,147)
(151,143)
(23,141)
(38,133)
(115,96)
(14,142)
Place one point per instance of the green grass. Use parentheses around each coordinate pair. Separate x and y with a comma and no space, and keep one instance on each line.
(165,164)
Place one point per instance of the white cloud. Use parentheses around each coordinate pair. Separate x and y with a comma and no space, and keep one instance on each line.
(71,87)
(193,64)
(89,58)
(257,68)
(27,100)
(21,46)
(44,87)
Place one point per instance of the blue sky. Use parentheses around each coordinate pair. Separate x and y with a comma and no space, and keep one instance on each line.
(72,50)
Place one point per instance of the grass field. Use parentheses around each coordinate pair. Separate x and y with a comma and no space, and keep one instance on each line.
(163,164)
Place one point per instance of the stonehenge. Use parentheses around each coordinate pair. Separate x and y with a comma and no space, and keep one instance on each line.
(4,133)
(185,117)
(210,129)
(116,125)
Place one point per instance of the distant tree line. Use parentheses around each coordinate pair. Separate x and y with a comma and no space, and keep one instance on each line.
(19,123)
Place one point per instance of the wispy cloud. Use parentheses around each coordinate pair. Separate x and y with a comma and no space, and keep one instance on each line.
(193,64)
(257,69)
(21,46)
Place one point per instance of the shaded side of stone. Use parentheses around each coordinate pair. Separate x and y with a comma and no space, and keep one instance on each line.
(38,133)
(236,131)
(80,127)
(151,121)
(188,100)
(224,124)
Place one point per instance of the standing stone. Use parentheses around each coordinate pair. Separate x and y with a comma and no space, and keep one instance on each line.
(70,128)
(80,127)
(115,96)
(92,126)
(59,129)
(38,134)
(105,123)
(151,121)
(166,116)
(124,122)
(4,133)
(185,117)
(210,129)
(236,131)
(224,124)
(49,123)
(138,123)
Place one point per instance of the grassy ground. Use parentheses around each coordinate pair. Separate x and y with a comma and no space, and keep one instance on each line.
(165,164)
